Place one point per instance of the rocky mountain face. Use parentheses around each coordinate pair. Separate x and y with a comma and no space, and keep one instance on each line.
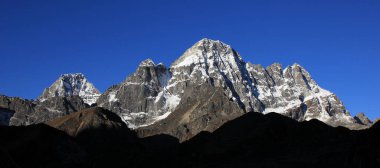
(72,85)
(143,97)
(181,100)
(5,116)
(363,119)
(68,94)
(52,108)
(17,111)
(293,92)
(205,108)
(10,106)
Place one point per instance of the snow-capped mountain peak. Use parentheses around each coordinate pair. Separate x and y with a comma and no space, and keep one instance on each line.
(207,51)
(212,61)
(74,84)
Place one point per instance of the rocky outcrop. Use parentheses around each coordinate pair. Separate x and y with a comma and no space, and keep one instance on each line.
(17,111)
(5,116)
(52,108)
(142,97)
(14,108)
(361,118)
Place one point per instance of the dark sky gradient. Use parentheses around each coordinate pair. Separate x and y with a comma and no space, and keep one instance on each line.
(338,42)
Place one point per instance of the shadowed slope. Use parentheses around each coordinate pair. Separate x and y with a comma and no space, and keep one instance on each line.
(252,140)
(39,146)
(271,140)
(91,118)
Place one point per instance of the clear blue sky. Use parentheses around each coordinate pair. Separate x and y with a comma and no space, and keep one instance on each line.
(338,42)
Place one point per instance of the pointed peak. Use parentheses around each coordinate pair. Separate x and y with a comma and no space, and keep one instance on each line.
(161,65)
(207,49)
(295,68)
(250,64)
(275,65)
(210,42)
(298,68)
(148,62)
(362,119)
(207,40)
(72,76)
(296,65)
(361,114)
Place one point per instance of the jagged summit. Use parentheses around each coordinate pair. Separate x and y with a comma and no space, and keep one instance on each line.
(74,84)
(208,51)
(296,65)
(209,42)
(141,98)
(293,92)
(147,62)
(363,119)
(215,62)
(73,75)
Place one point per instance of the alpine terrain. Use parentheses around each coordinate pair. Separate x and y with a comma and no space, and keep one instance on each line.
(211,84)
(68,94)
(209,108)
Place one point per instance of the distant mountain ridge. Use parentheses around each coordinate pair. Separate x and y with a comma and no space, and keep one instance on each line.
(204,88)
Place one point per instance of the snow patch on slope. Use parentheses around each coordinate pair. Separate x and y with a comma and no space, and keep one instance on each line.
(112,97)
(172,102)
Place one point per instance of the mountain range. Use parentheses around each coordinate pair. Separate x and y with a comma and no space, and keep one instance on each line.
(187,90)
(192,102)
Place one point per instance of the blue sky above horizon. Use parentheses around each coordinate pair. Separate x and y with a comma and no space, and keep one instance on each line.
(336,41)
